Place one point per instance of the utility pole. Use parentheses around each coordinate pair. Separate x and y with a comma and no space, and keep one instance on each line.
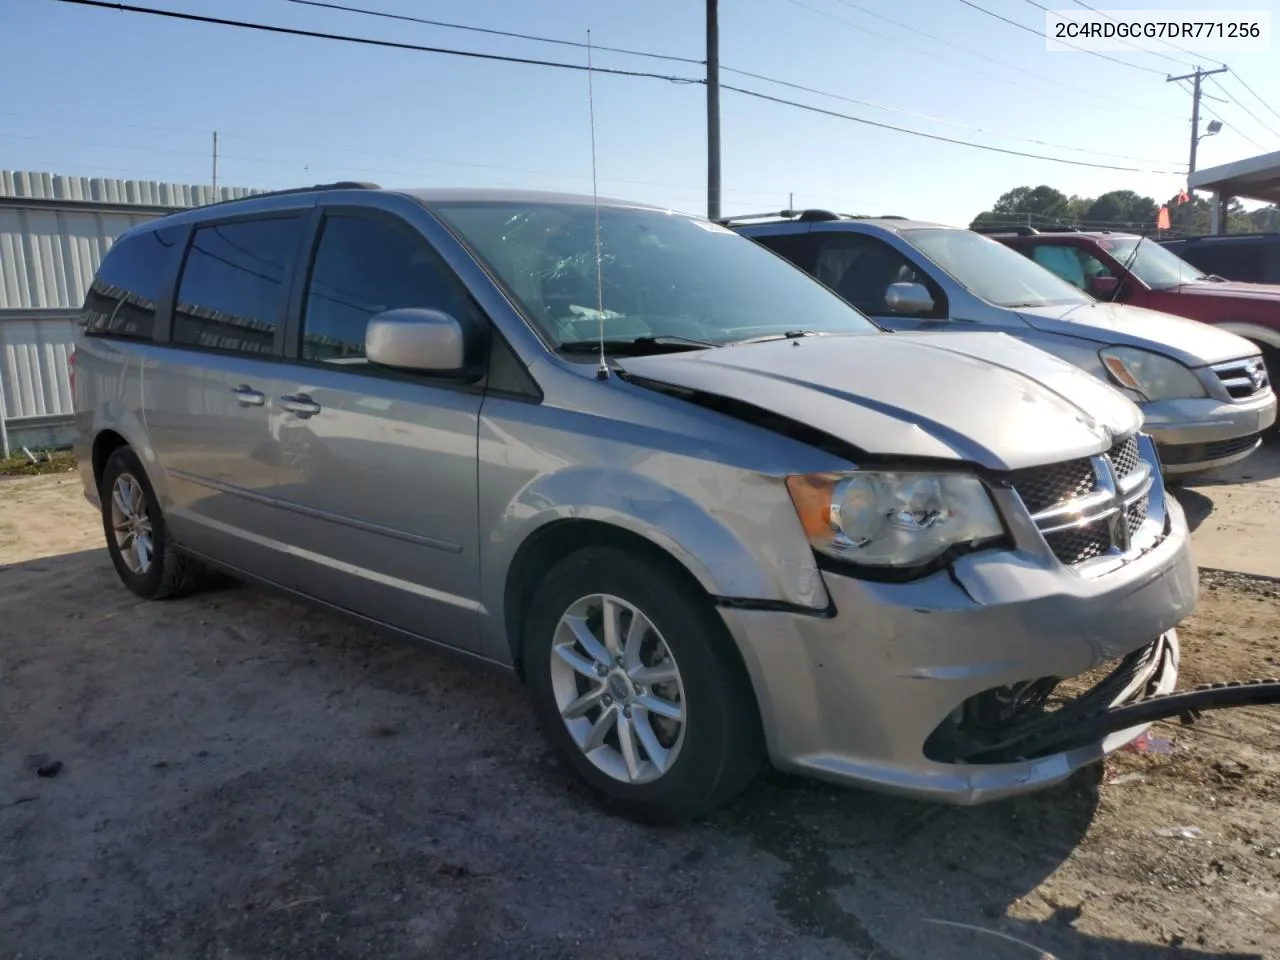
(215,167)
(1195,79)
(713,111)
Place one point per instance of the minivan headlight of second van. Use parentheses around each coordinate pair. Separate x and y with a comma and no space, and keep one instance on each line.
(1154,376)
(890,519)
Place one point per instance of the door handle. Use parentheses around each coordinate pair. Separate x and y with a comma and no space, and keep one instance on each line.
(300,405)
(246,396)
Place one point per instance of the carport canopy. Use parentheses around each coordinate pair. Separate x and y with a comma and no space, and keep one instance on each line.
(1257,178)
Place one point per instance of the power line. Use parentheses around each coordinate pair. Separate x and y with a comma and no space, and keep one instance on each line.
(1059,85)
(1237,103)
(1039,33)
(527,61)
(1127,43)
(933,136)
(1174,46)
(974,53)
(347,8)
(367,41)
(492,32)
(1240,79)
(932,119)
(1226,123)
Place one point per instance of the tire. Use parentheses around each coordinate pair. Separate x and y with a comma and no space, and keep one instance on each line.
(679,770)
(166,573)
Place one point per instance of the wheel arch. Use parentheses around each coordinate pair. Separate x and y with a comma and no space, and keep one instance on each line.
(554,541)
(106,442)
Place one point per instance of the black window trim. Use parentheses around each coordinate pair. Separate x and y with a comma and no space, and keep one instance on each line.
(303,267)
(289,282)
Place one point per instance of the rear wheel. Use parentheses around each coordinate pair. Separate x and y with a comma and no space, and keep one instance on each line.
(137,537)
(637,687)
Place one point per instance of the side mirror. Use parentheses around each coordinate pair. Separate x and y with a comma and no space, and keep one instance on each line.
(412,338)
(1103,286)
(908,298)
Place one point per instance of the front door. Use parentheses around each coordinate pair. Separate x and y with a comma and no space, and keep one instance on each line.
(378,468)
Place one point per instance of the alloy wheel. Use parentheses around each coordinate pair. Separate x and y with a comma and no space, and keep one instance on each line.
(618,688)
(131,525)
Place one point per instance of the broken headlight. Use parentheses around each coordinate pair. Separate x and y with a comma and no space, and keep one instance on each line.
(893,519)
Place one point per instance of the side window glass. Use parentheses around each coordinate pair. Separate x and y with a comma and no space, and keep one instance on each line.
(799,248)
(861,269)
(364,266)
(1060,260)
(121,301)
(233,285)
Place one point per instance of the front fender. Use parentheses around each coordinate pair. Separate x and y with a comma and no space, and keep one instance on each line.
(734,531)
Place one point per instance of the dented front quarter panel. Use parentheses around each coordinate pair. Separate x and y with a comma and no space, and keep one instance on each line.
(708,490)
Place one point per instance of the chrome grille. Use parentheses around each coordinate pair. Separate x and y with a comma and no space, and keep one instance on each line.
(1136,513)
(1124,456)
(1090,507)
(1243,378)
(1081,544)
(1044,487)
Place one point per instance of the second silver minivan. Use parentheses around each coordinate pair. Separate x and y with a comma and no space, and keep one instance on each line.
(710,513)
(1204,392)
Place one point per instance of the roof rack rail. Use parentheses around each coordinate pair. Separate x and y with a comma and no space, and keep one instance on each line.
(1016,231)
(336,185)
(804,216)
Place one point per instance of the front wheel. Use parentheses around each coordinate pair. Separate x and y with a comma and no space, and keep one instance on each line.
(638,689)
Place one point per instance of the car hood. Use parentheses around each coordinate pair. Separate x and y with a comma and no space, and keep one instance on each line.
(1232,290)
(983,398)
(1190,342)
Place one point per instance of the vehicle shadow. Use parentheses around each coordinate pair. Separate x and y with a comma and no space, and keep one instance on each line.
(897,879)
(1195,505)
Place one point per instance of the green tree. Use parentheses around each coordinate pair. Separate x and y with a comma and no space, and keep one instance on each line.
(1124,208)
(1030,205)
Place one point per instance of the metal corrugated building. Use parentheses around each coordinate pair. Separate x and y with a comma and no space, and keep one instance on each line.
(54,231)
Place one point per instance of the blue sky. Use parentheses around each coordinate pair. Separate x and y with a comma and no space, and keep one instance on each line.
(103,93)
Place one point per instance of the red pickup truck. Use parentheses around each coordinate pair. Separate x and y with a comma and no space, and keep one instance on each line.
(1140,272)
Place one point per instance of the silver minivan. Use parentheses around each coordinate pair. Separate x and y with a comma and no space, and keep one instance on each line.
(915,276)
(711,514)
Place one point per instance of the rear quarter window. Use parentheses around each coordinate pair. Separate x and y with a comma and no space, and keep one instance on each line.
(121,301)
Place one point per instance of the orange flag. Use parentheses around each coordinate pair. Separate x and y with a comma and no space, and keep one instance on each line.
(1162,219)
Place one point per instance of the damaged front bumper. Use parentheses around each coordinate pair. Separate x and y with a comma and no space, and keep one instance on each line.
(881,694)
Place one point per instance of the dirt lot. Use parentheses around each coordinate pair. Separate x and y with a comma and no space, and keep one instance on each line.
(245,778)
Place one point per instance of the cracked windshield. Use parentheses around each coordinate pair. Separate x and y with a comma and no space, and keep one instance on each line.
(662,275)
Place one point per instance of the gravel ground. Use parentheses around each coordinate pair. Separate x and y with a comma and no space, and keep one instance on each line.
(242,777)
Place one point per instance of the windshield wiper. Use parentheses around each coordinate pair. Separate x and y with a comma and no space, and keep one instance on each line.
(788,335)
(634,344)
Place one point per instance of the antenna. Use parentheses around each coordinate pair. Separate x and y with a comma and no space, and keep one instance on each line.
(602,371)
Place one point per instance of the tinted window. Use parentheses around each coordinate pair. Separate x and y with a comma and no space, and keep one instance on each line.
(121,301)
(799,248)
(362,267)
(861,269)
(660,274)
(232,289)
